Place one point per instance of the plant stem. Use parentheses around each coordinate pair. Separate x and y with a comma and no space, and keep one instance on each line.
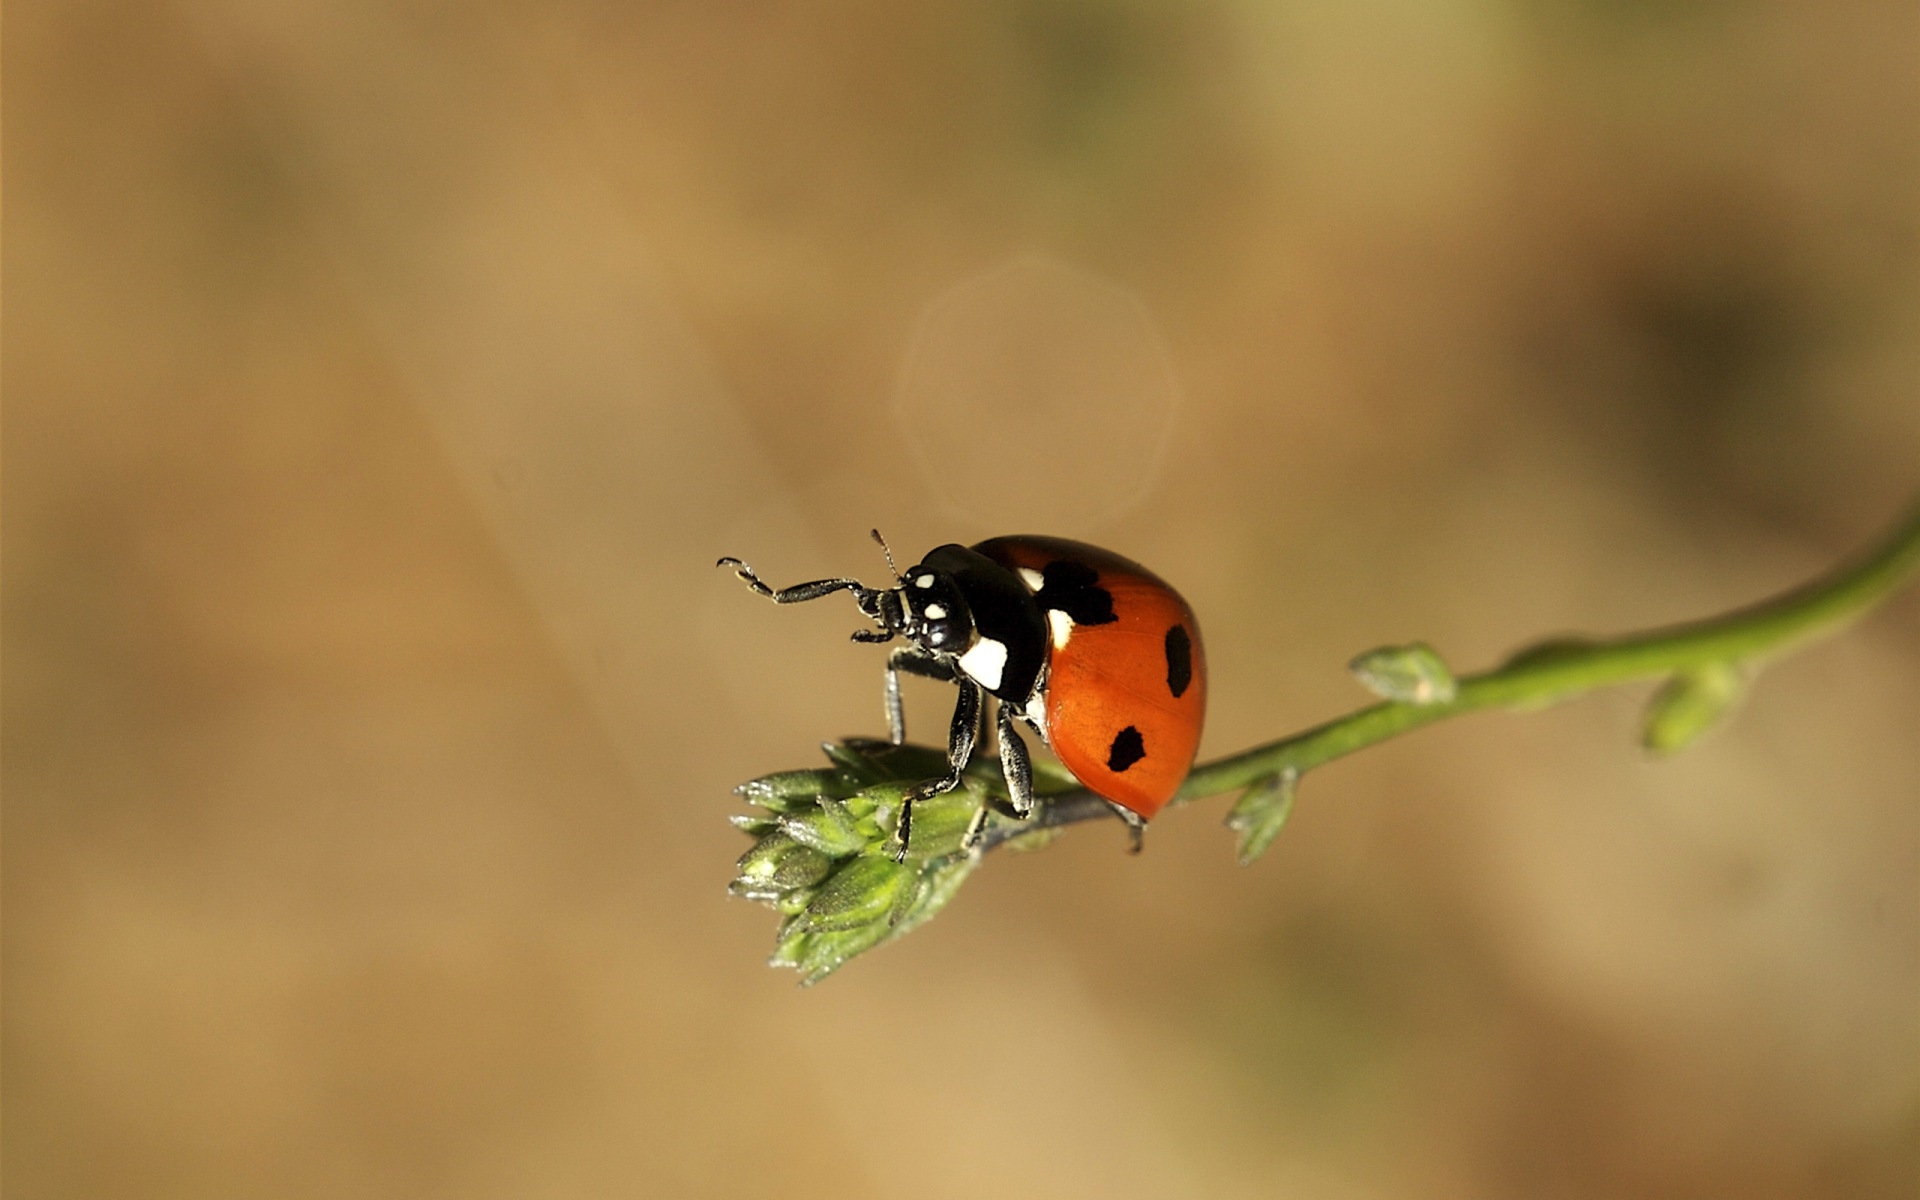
(1560,671)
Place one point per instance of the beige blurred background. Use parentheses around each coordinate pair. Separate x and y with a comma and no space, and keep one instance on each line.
(381,382)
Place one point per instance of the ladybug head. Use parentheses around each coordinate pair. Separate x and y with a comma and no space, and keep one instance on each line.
(934,613)
(926,608)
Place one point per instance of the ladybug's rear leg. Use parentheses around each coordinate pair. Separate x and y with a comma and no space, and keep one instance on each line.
(1136,826)
(961,736)
(1015,766)
(914,661)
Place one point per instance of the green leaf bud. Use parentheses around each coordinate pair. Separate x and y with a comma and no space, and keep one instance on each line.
(821,954)
(904,761)
(754,827)
(828,828)
(785,790)
(778,864)
(795,901)
(933,886)
(879,802)
(1412,674)
(823,855)
(877,761)
(1261,812)
(847,759)
(1689,704)
(789,942)
(861,892)
(941,822)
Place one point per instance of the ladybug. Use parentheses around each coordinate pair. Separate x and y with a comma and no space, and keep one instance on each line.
(1094,653)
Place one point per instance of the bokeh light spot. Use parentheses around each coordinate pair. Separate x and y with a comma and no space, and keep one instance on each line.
(1037,396)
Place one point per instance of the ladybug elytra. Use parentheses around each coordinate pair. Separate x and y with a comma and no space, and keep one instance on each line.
(1094,653)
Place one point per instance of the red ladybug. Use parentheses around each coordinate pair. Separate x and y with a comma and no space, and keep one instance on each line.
(1094,653)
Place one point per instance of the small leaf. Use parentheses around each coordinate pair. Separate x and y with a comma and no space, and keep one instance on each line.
(850,756)
(870,803)
(786,790)
(785,901)
(886,760)
(935,885)
(828,828)
(1260,813)
(756,890)
(789,942)
(778,864)
(862,892)
(795,901)
(821,954)
(1412,674)
(763,859)
(941,822)
(1689,704)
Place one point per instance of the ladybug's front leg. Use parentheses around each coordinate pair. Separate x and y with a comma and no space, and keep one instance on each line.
(799,593)
(961,736)
(914,661)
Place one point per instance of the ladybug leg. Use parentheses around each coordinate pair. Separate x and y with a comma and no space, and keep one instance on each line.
(1016,768)
(1015,765)
(964,732)
(796,594)
(914,661)
(970,840)
(1136,826)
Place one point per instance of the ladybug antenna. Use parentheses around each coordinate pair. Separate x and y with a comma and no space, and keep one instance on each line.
(889,553)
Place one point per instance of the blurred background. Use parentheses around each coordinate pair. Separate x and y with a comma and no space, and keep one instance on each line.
(383,380)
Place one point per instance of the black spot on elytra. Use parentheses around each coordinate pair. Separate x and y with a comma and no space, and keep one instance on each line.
(1127,749)
(1179,660)
(1074,589)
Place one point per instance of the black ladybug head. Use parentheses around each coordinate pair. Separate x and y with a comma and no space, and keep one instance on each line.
(935,614)
(928,608)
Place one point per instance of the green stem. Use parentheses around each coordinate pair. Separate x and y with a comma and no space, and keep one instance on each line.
(1555,672)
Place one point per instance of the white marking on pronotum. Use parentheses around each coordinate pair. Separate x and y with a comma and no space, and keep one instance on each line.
(985,662)
(1032,578)
(1062,626)
(936,611)
(923,581)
